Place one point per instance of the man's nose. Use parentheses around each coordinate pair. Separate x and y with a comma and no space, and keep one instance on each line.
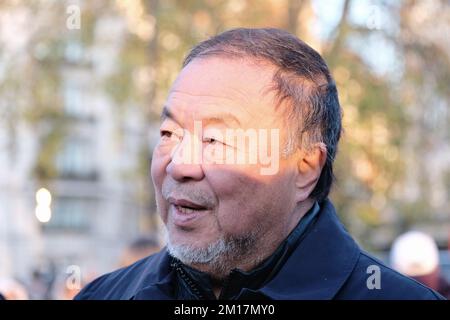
(185,163)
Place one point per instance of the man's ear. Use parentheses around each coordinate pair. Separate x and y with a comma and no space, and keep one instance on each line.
(309,168)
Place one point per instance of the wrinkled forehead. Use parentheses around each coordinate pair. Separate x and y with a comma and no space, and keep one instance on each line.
(241,87)
(225,74)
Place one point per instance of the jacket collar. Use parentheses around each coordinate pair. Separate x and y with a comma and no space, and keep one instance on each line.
(320,265)
(316,269)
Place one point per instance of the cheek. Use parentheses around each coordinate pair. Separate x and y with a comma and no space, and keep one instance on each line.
(158,173)
(242,199)
(248,199)
(158,169)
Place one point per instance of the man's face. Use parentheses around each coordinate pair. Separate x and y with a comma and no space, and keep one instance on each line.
(213,197)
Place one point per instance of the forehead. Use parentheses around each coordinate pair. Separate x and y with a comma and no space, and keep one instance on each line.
(214,84)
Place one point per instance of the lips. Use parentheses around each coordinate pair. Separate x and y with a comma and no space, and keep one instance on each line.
(183,203)
(185,212)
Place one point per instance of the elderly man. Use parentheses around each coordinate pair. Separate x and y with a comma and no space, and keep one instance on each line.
(242,173)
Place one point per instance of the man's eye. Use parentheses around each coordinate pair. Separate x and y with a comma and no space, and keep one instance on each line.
(211,140)
(169,136)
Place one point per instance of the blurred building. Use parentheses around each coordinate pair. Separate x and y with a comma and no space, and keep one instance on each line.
(97,205)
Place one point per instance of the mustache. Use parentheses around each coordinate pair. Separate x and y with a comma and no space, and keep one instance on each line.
(187,191)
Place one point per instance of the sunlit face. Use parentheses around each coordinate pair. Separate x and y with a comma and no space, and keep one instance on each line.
(201,202)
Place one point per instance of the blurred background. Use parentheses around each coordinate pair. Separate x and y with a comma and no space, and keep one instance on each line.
(82,84)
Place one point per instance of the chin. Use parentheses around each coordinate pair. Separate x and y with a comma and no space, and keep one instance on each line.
(194,238)
(192,251)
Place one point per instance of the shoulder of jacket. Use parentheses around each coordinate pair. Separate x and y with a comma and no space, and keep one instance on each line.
(101,287)
(391,284)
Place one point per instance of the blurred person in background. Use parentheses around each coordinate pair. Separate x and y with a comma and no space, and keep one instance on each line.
(416,255)
(43,279)
(140,248)
(11,289)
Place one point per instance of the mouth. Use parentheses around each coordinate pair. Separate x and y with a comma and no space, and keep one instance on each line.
(185,212)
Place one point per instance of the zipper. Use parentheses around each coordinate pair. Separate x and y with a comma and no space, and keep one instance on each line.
(194,288)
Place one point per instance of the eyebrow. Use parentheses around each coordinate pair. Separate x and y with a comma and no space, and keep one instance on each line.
(166,114)
(225,118)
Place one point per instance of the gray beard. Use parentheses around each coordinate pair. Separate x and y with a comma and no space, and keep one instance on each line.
(220,257)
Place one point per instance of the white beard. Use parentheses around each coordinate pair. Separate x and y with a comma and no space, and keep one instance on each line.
(189,254)
(219,257)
